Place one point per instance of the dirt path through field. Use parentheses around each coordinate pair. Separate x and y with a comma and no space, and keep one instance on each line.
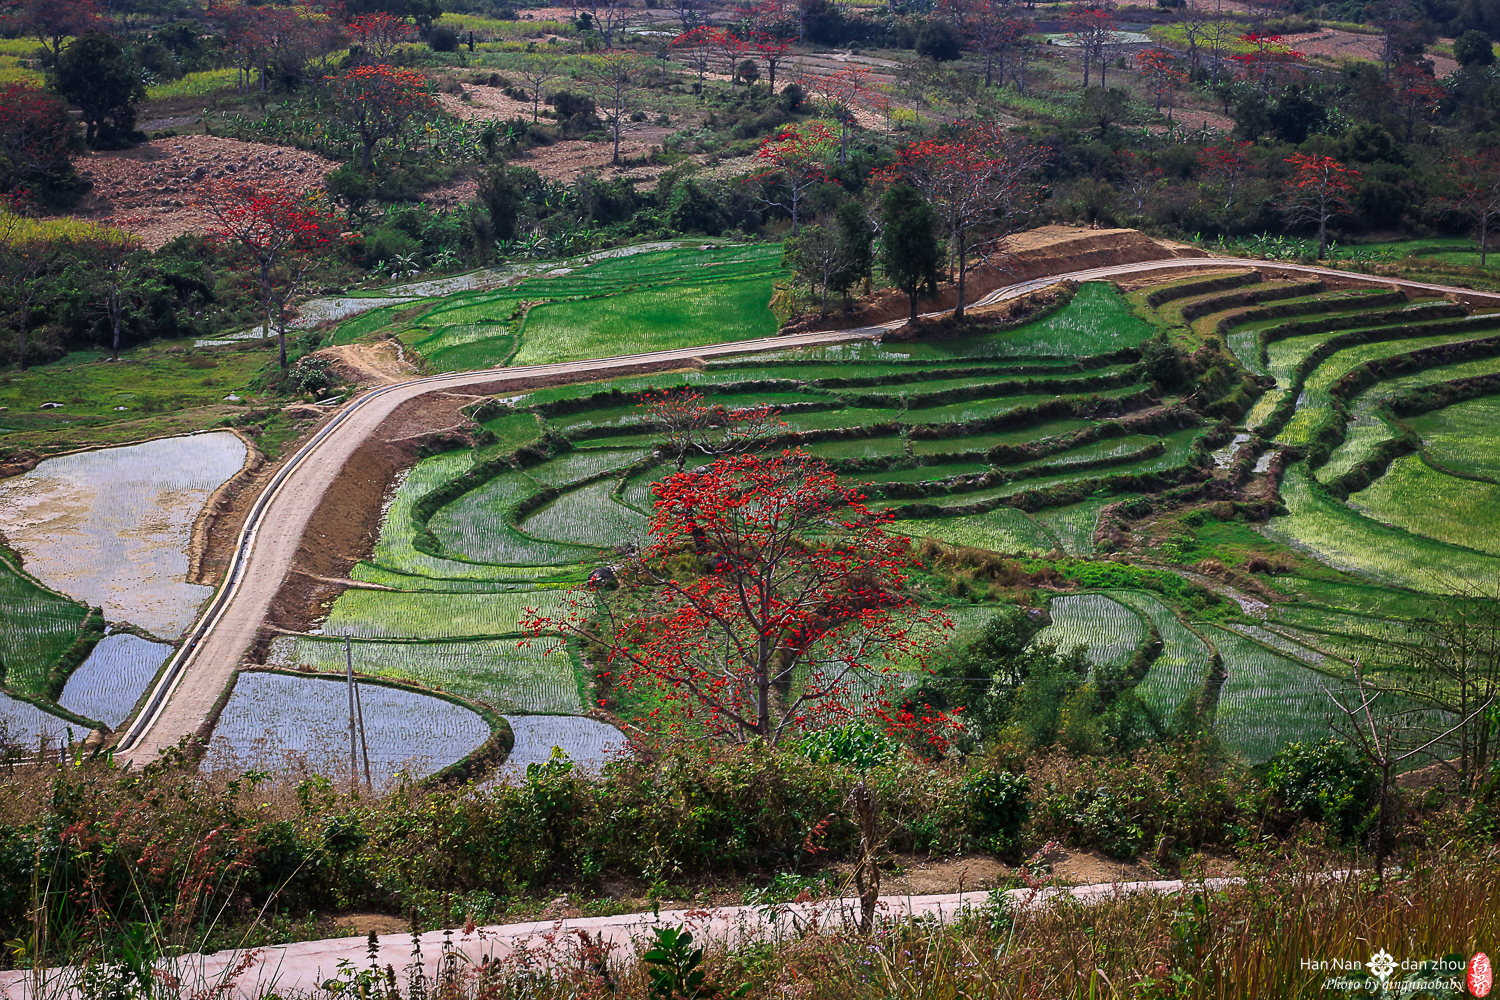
(184,698)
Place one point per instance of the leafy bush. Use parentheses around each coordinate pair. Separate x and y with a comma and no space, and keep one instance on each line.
(1323,782)
(1002,805)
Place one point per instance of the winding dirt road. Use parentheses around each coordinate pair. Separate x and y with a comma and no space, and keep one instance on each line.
(184,695)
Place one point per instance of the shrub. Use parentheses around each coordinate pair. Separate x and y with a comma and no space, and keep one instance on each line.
(442,39)
(1323,782)
(1002,805)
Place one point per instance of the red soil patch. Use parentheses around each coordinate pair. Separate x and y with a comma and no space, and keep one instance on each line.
(151,190)
(1330,43)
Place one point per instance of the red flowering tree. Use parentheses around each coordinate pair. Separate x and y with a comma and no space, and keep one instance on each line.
(797,610)
(1226,166)
(691,425)
(791,164)
(379,33)
(772,51)
(1163,75)
(979,184)
(1417,96)
(695,47)
(377,102)
(1318,191)
(1267,55)
(34,131)
(1477,178)
(1093,31)
(278,235)
(840,93)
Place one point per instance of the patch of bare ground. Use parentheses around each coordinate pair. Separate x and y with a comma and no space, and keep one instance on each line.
(152,190)
(1093,868)
(1150,278)
(563,160)
(366,365)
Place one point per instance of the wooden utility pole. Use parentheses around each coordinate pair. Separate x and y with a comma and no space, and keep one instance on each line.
(353,742)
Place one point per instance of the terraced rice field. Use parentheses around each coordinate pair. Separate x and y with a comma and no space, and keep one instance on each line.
(1011,442)
(1107,629)
(110,527)
(280,720)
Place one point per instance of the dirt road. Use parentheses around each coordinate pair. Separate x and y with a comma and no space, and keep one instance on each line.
(205,664)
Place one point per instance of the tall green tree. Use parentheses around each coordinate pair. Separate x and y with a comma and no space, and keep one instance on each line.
(909,248)
(96,76)
(857,237)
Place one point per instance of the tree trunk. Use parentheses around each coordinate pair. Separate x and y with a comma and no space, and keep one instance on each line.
(963,271)
(1382,809)
(1484,238)
(913,296)
(1322,234)
(21,342)
(866,869)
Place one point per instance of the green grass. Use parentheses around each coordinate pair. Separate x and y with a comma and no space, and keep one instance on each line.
(36,626)
(1463,438)
(1414,496)
(1313,403)
(375,614)
(1004,529)
(201,84)
(984,442)
(1267,700)
(474,526)
(1073,526)
(652,320)
(150,392)
(1340,537)
(1181,669)
(587,516)
(1108,630)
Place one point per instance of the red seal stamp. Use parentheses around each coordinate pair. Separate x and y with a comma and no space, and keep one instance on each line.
(1481,976)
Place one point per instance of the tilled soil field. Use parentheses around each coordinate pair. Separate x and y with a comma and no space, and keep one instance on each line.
(152,190)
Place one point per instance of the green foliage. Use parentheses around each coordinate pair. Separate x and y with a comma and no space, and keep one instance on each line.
(1002,801)
(909,248)
(675,971)
(1474,48)
(858,745)
(97,76)
(1324,781)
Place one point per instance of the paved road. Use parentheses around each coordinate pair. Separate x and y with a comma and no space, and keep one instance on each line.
(205,664)
(301,969)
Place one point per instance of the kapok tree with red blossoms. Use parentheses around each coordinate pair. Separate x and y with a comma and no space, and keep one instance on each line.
(772,50)
(1319,190)
(980,184)
(35,133)
(378,33)
(796,611)
(277,235)
(1266,56)
(1163,75)
(377,102)
(691,425)
(791,164)
(1477,179)
(1227,165)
